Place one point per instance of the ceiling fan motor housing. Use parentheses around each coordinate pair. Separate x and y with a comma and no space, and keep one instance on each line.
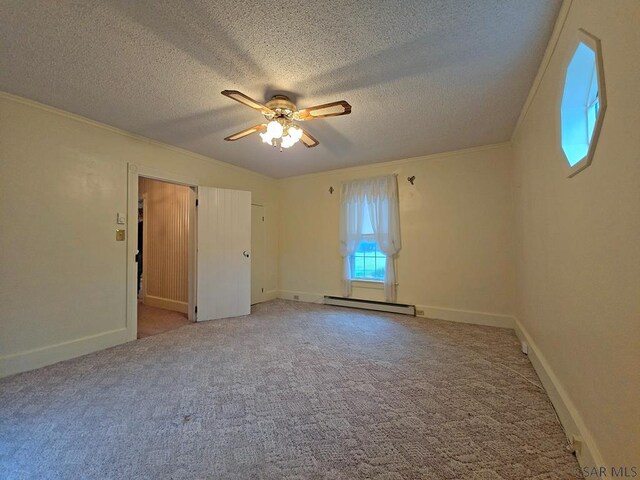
(282,106)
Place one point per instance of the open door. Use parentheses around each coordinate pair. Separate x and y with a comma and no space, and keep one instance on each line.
(224,263)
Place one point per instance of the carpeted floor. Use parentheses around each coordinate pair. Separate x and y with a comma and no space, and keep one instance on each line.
(152,320)
(294,391)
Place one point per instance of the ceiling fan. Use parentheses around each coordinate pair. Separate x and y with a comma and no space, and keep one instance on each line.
(281,114)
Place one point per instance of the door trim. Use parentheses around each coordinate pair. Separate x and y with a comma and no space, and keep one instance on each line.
(262,268)
(134,171)
(143,290)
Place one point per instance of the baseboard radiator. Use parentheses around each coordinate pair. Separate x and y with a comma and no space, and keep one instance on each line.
(370,305)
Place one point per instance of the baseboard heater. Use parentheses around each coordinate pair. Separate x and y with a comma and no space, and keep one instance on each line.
(370,305)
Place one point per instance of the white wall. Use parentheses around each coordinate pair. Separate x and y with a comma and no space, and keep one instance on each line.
(63,275)
(456,256)
(578,253)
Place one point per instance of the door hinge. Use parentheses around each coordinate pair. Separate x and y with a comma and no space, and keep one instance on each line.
(262,290)
(196,202)
(196,309)
(263,219)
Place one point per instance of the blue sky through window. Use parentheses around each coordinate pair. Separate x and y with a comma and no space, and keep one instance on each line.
(368,262)
(580,104)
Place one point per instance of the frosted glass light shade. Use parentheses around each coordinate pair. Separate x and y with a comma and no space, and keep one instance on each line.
(274,129)
(287,141)
(266,138)
(295,133)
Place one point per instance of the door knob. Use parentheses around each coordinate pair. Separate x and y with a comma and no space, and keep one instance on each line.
(246,254)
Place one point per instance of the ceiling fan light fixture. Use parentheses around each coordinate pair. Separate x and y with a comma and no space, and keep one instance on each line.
(266,138)
(281,113)
(295,133)
(287,141)
(275,129)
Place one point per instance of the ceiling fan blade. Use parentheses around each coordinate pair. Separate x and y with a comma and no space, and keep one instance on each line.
(332,109)
(248,101)
(244,133)
(308,140)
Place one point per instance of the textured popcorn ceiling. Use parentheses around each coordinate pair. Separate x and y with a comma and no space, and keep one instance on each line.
(422,76)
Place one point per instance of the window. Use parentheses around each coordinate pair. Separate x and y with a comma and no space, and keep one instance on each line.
(368,262)
(370,232)
(583,104)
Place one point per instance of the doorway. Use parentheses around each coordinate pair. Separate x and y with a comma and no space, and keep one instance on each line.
(165,227)
(218,246)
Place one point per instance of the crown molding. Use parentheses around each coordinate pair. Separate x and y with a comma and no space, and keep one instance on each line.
(125,133)
(403,161)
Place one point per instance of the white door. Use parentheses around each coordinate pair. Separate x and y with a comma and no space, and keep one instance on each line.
(258,247)
(224,244)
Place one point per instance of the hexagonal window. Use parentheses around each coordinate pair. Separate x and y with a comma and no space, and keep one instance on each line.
(583,103)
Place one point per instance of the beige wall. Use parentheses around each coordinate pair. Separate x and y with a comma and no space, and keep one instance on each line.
(62,181)
(576,248)
(455,224)
(578,253)
(166,246)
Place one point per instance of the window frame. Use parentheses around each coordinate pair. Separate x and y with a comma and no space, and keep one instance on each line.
(582,36)
(368,237)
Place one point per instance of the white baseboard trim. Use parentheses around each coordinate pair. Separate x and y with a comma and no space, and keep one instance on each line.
(571,420)
(270,295)
(301,296)
(166,303)
(40,357)
(452,315)
(466,316)
(267,297)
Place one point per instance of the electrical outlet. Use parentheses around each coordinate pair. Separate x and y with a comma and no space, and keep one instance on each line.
(296,297)
(420,313)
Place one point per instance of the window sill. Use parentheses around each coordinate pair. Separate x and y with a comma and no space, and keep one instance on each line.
(375,284)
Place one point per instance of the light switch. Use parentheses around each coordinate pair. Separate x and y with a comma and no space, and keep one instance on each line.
(121,219)
(119,235)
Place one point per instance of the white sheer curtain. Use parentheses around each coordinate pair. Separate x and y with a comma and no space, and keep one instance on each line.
(351,215)
(385,221)
(380,196)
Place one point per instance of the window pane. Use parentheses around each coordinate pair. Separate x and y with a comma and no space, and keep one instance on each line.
(368,262)
(358,265)
(369,265)
(368,247)
(592,115)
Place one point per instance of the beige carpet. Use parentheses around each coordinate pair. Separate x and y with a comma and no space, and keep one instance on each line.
(294,391)
(152,320)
